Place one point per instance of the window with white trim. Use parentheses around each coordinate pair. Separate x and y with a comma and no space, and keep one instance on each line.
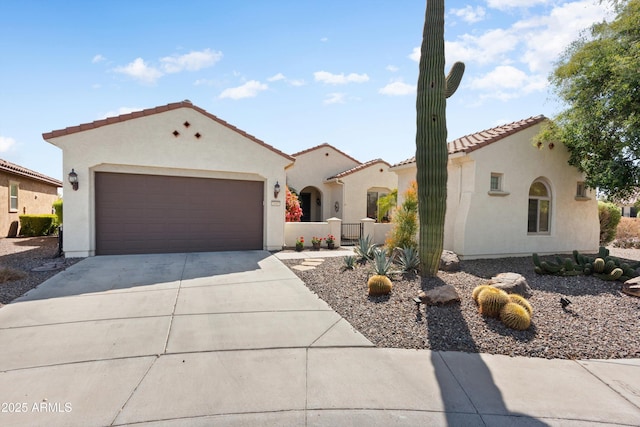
(496,182)
(539,215)
(581,189)
(13,197)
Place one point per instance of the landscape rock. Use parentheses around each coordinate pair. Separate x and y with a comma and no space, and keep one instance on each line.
(441,295)
(632,287)
(512,283)
(449,261)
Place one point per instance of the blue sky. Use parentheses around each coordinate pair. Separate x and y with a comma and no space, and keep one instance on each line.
(294,73)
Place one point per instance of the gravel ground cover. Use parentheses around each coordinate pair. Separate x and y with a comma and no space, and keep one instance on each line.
(600,323)
(22,255)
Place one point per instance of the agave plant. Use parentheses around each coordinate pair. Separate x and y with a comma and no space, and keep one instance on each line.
(408,260)
(382,265)
(380,284)
(349,262)
(365,249)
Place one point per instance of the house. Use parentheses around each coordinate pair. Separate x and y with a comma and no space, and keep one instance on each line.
(507,197)
(173,178)
(27,192)
(331,183)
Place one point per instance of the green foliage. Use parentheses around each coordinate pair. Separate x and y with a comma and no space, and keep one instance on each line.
(598,80)
(609,215)
(405,222)
(431,136)
(382,265)
(386,204)
(491,302)
(602,266)
(515,316)
(379,285)
(408,260)
(365,249)
(57,208)
(37,225)
(349,263)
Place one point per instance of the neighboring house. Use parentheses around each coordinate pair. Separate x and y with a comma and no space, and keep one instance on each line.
(507,197)
(174,178)
(26,192)
(331,183)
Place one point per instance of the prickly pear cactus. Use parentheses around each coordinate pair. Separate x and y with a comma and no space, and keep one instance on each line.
(431,137)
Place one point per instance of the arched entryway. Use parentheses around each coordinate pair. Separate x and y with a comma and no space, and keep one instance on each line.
(311,203)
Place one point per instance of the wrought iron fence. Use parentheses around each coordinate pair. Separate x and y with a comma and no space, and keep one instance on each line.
(351,233)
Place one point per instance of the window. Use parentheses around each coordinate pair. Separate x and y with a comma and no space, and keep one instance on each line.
(496,182)
(539,214)
(581,189)
(372,203)
(13,197)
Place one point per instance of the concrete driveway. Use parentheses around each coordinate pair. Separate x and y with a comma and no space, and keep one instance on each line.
(236,339)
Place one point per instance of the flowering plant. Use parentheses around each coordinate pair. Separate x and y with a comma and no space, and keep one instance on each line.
(299,243)
(330,239)
(316,240)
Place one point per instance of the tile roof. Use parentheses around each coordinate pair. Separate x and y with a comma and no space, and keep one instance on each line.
(325,145)
(150,111)
(357,168)
(22,171)
(475,141)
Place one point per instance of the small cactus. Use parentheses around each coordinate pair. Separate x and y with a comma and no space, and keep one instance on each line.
(609,266)
(478,289)
(491,302)
(521,301)
(598,265)
(379,285)
(515,316)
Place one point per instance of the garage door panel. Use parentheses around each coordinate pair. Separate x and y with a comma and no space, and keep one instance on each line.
(158,214)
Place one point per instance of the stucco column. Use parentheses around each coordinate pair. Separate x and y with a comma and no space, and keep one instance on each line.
(335,229)
(367,227)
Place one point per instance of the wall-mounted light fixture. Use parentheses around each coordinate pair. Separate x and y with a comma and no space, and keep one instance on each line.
(276,190)
(73,179)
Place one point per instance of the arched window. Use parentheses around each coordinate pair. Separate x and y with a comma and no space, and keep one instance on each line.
(539,219)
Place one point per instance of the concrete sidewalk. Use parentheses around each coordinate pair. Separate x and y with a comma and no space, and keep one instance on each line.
(237,339)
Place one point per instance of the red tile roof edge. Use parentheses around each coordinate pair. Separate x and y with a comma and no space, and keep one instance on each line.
(357,168)
(155,110)
(468,143)
(325,145)
(22,171)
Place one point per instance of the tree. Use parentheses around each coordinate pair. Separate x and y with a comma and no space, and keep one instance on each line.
(431,137)
(405,222)
(598,79)
(293,211)
(386,204)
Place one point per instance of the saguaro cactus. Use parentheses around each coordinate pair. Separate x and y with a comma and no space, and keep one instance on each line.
(431,136)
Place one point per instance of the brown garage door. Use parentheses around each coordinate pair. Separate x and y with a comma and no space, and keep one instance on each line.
(162,214)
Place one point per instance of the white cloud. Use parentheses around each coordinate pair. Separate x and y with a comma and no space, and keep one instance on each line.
(511,4)
(398,88)
(248,90)
(98,58)
(392,68)
(139,70)
(277,77)
(192,61)
(469,13)
(339,79)
(6,143)
(335,98)
(120,111)
(507,82)
(297,82)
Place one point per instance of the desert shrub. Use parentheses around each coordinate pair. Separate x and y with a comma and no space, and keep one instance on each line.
(628,233)
(609,215)
(57,209)
(405,222)
(408,260)
(8,274)
(293,211)
(365,249)
(37,225)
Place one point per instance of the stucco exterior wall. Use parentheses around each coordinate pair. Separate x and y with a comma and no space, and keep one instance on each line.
(147,145)
(377,176)
(34,198)
(312,168)
(480,225)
